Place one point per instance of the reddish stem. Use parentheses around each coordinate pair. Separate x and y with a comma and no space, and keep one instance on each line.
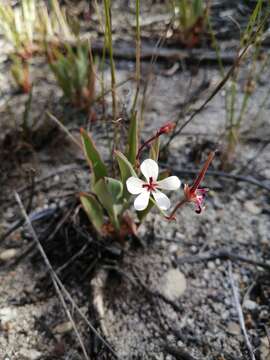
(201,175)
(177,206)
(145,144)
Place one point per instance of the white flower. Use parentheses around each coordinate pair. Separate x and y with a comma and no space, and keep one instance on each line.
(144,189)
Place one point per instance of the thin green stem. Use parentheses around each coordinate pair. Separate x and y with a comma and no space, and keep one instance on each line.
(108,39)
(138,55)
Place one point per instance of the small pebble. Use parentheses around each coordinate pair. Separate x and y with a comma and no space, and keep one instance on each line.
(30,354)
(56,178)
(211,265)
(251,206)
(234,328)
(7,314)
(173,248)
(180,235)
(173,284)
(250,305)
(8,254)
(225,315)
(63,328)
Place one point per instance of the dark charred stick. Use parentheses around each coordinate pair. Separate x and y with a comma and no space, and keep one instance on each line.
(126,51)
(222,255)
(32,191)
(178,352)
(72,259)
(223,174)
(61,223)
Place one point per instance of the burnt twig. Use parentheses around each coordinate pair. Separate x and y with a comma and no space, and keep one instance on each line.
(179,352)
(126,51)
(222,254)
(215,173)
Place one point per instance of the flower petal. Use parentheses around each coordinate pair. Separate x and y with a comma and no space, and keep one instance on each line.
(135,185)
(142,200)
(162,200)
(149,168)
(170,183)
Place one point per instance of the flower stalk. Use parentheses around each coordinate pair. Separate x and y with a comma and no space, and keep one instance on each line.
(193,193)
(165,129)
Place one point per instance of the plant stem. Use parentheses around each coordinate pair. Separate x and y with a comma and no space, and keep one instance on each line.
(138,55)
(148,142)
(177,206)
(108,39)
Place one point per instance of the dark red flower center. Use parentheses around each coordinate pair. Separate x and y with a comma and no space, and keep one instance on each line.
(151,186)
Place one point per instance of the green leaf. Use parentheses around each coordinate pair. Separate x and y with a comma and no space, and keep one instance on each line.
(109,192)
(154,149)
(254,17)
(93,210)
(197,8)
(126,170)
(133,139)
(93,157)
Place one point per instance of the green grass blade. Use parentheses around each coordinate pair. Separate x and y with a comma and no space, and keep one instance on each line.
(133,139)
(154,149)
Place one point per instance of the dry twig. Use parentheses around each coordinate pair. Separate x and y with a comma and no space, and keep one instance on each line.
(240,312)
(59,287)
(222,254)
(223,174)
(52,273)
(179,352)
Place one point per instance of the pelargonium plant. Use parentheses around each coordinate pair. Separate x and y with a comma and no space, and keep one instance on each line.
(111,206)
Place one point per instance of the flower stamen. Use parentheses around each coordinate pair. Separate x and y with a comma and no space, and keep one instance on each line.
(151,186)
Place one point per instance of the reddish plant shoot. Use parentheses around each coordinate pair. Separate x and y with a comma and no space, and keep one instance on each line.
(194,193)
(165,129)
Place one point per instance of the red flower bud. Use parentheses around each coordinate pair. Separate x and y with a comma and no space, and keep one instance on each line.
(167,128)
